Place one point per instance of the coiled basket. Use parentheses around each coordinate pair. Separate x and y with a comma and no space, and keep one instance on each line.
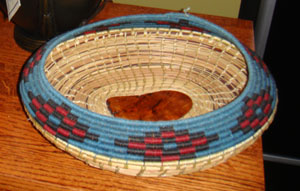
(66,83)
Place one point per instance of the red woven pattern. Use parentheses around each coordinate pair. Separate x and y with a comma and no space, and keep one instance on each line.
(167,145)
(65,126)
(256,112)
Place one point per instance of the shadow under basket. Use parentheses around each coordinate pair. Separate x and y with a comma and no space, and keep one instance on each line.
(65,86)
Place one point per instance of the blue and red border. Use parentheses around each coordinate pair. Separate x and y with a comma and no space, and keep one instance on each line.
(143,140)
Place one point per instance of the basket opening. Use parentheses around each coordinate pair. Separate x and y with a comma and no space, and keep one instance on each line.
(156,106)
(90,69)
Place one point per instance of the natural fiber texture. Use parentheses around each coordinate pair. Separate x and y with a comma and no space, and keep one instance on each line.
(92,68)
(66,84)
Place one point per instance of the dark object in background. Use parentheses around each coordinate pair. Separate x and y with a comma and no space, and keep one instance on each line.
(37,21)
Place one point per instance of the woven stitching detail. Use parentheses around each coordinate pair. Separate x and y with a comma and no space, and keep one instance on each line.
(58,120)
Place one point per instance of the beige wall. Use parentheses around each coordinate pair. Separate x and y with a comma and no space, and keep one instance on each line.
(227,8)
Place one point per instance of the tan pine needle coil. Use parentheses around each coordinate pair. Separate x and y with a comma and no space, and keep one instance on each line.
(92,68)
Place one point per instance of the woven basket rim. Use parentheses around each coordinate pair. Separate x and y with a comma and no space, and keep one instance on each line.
(204,23)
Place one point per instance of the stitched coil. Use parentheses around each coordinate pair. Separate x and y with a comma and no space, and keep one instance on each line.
(65,85)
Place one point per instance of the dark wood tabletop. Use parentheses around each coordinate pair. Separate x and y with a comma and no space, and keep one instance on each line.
(29,162)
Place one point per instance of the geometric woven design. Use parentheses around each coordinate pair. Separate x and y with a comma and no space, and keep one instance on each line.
(58,120)
(66,83)
(256,112)
(167,144)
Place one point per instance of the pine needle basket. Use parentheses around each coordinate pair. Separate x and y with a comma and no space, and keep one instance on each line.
(65,85)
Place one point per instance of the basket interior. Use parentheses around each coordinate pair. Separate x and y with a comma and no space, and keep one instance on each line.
(93,67)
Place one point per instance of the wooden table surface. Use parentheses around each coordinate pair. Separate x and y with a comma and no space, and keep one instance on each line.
(29,162)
